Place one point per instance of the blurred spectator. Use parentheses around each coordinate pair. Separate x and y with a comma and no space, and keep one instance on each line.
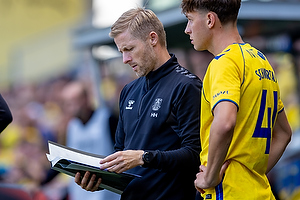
(23,143)
(88,130)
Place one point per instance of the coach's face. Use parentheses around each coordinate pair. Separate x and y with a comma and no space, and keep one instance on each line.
(137,53)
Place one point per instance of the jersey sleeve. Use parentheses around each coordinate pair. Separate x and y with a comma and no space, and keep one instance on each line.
(225,80)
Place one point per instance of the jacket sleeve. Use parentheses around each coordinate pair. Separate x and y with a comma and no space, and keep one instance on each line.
(120,135)
(5,114)
(186,113)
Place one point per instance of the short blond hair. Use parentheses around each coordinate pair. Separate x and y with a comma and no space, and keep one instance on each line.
(139,22)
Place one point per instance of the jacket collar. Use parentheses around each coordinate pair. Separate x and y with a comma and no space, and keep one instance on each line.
(154,76)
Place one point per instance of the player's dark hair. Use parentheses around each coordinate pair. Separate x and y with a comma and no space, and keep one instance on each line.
(227,10)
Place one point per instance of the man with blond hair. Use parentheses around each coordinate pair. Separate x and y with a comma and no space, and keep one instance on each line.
(158,131)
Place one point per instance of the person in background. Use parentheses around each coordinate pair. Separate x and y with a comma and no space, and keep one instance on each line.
(158,130)
(244,128)
(5,114)
(88,130)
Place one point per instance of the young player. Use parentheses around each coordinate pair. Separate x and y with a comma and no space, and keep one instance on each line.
(244,128)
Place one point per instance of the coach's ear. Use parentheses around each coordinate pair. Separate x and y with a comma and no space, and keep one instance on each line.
(153,38)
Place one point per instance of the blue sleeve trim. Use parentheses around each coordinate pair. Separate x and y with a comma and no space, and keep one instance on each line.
(281,110)
(224,100)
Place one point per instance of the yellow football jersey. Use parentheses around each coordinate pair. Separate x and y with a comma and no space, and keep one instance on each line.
(242,75)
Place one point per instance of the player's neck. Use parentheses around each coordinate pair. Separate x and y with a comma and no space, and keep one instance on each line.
(223,39)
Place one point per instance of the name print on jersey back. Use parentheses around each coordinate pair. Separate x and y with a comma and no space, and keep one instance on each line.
(265,74)
(262,73)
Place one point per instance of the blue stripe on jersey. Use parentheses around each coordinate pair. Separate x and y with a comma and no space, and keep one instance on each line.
(219,191)
(244,63)
(203,93)
(219,56)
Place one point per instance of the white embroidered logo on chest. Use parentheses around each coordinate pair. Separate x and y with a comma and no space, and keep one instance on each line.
(155,107)
(130,103)
(157,104)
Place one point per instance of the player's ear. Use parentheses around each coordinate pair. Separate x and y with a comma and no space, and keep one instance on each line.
(211,19)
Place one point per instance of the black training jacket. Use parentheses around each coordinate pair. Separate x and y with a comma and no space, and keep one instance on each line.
(160,113)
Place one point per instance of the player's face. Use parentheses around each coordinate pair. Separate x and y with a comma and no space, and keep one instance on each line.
(197,29)
(137,53)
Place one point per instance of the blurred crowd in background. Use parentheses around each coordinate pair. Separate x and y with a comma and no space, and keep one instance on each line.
(39,116)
